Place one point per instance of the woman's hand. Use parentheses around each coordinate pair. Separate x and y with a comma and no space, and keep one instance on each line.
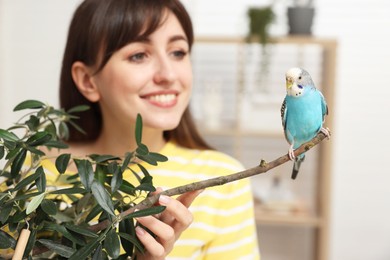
(167,227)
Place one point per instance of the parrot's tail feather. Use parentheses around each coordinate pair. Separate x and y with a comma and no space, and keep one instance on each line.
(297,165)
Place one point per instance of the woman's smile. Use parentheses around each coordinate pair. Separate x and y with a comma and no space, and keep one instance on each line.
(164,99)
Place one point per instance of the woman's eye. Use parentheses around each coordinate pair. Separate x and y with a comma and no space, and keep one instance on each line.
(138,57)
(179,54)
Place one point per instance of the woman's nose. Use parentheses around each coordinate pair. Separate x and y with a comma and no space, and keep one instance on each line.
(165,72)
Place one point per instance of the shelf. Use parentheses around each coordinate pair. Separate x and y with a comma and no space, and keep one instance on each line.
(304,219)
(326,42)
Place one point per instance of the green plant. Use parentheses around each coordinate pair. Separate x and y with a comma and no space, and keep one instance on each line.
(97,191)
(259,21)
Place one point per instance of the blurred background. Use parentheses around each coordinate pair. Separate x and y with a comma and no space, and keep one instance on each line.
(339,206)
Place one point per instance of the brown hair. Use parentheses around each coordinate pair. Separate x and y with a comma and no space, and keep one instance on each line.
(98,29)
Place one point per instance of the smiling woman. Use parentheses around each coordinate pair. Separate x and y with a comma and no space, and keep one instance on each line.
(129,57)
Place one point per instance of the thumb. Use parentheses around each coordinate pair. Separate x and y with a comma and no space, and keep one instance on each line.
(187,198)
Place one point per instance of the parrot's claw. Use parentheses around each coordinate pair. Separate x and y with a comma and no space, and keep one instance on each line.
(291,153)
(326,132)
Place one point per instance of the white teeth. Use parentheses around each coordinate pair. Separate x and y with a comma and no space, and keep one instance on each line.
(163,98)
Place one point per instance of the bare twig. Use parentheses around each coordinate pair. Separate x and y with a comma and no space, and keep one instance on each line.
(261,168)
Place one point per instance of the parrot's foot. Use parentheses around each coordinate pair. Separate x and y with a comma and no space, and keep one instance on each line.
(326,132)
(291,153)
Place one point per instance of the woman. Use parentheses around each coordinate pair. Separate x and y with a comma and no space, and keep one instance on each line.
(125,57)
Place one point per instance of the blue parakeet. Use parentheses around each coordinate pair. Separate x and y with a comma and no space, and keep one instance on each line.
(303,112)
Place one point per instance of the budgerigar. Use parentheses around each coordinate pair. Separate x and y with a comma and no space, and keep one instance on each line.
(303,112)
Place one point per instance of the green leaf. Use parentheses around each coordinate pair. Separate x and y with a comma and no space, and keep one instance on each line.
(116,181)
(86,173)
(32,122)
(98,255)
(142,150)
(100,175)
(18,162)
(62,162)
(126,161)
(40,182)
(126,226)
(38,138)
(25,196)
(102,197)
(77,127)
(35,151)
(34,203)
(93,213)
(76,190)
(6,241)
(103,158)
(111,244)
(143,169)
(86,251)
(5,211)
(147,159)
(64,232)
(29,104)
(9,136)
(79,108)
(29,179)
(146,187)
(56,144)
(81,230)
(133,240)
(49,207)
(158,157)
(146,212)
(2,152)
(60,249)
(127,188)
(138,129)
(63,131)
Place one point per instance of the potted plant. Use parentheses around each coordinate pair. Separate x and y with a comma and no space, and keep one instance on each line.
(260,18)
(300,17)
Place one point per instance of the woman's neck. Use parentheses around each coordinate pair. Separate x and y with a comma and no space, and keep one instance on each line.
(123,140)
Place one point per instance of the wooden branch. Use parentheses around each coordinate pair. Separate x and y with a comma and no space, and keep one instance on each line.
(261,168)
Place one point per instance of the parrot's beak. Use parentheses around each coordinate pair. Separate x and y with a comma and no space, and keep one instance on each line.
(289,82)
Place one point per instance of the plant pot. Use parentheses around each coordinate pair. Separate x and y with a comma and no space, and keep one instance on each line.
(300,20)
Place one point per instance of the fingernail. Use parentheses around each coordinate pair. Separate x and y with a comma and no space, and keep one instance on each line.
(140,231)
(164,199)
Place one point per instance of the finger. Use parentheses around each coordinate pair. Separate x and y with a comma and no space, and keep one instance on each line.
(187,198)
(162,230)
(151,245)
(176,214)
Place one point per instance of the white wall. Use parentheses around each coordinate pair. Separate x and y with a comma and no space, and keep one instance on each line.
(32,39)
(32,35)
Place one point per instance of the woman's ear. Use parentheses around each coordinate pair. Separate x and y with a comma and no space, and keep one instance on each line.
(82,76)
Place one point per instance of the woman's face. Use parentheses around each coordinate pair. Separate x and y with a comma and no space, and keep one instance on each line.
(151,77)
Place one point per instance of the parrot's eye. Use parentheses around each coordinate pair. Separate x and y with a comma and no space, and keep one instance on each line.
(300,77)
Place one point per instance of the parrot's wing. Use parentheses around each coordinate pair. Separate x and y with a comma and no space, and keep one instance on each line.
(283,113)
(324,106)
